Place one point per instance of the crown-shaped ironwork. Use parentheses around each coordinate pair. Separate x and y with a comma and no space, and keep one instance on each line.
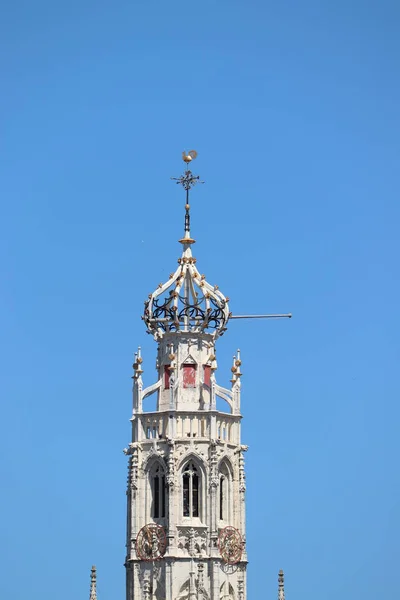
(186,302)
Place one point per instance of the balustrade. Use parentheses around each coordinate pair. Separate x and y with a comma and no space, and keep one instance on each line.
(227,428)
(155,425)
(190,425)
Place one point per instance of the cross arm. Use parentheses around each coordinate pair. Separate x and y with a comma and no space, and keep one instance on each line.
(286,316)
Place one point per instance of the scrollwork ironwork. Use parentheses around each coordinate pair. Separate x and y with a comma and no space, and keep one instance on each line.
(230,544)
(190,313)
(151,542)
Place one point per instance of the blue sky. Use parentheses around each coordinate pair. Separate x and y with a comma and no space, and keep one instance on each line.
(293,108)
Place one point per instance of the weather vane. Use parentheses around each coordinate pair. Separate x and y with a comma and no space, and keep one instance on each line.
(187,181)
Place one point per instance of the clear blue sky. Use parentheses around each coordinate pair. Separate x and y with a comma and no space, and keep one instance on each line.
(294,110)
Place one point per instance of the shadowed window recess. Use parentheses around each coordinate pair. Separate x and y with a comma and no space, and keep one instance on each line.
(190,489)
(158,492)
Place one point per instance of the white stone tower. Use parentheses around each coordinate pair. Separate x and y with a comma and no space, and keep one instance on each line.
(186,484)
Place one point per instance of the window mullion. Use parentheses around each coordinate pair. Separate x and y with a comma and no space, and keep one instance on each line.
(191,495)
(159,495)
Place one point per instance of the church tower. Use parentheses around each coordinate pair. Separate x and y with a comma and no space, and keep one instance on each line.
(186,485)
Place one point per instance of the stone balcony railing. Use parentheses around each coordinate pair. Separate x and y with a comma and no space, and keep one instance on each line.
(189,425)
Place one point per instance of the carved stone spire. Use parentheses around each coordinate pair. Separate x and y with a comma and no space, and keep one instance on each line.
(281,586)
(93,592)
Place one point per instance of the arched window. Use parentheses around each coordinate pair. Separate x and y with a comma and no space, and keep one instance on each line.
(226,591)
(158,493)
(221,496)
(191,490)
(225,492)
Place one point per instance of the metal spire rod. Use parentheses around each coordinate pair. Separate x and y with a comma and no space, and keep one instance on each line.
(287,316)
(187,181)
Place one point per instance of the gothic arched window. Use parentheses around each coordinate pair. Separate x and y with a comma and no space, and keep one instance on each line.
(158,493)
(226,591)
(191,490)
(225,492)
(222,498)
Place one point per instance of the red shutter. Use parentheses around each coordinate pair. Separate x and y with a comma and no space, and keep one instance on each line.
(189,376)
(207,375)
(166,377)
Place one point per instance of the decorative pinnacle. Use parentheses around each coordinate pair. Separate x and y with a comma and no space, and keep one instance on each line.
(233,369)
(137,365)
(93,592)
(187,181)
(238,362)
(281,586)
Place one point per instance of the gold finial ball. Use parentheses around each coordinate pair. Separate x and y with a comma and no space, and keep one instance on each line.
(187,206)
(188,157)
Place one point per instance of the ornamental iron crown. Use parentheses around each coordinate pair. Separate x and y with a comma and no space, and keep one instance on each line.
(186,302)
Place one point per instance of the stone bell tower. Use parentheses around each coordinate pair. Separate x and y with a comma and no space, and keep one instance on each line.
(186,484)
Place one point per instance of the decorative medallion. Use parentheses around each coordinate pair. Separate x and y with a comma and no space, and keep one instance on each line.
(230,545)
(151,542)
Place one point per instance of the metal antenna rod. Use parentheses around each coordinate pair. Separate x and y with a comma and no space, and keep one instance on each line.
(288,316)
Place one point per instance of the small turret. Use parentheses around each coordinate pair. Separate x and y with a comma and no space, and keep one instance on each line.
(281,586)
(93,592)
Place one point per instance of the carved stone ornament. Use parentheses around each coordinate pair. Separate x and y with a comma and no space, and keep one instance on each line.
(242,475)
(154,452)
(192,540)
(170,464)
(213,460)
(127,451)
(240,589)
(132,467)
